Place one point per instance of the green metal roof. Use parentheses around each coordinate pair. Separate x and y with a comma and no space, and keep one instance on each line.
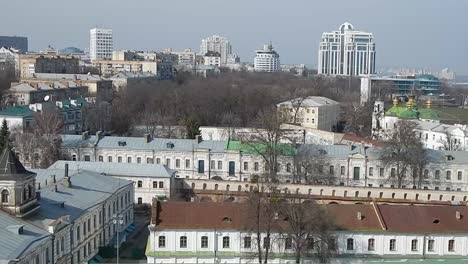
(20,110)
(428,113)
(257,148)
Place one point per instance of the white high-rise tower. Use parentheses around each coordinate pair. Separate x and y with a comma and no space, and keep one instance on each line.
(346,52)
(217,44)
(101,44)
(266,59)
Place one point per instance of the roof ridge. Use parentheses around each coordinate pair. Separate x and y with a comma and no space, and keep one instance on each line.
(376,208)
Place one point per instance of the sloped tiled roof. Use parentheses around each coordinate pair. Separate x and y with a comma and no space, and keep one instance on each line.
(11,168)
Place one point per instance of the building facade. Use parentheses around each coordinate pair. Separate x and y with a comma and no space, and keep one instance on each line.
(217,44)
(314,112)
(101,44)
(347,52)
(19,43)
(30,64)
(266,59)
(373,232)
(212,58)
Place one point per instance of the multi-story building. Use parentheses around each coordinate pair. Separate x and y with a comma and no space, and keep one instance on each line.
(150,180)
(266,59)
(212,58)
(22,117)
(217,44)
(123,80)
(187,57)
(25,93)
(349,165)
(19,43)
(361,233)
(112,67)
(433,134)
(51,216)
(10,56)
(101,44)
(347,52)
(315,112)
(98,87)
(30,64)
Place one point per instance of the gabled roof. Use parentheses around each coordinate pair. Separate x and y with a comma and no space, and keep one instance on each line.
(311,101)
(11,168)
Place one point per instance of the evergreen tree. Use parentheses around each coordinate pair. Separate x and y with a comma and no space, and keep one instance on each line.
(4,134)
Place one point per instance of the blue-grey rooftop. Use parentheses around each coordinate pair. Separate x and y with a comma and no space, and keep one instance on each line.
(116,169)
(14,245)
(88,189)
(138,143)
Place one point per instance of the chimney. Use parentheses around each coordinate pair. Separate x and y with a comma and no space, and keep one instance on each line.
(147,138)
(359,216)
(99,135)
(67,180)
(458,215)
(84,135)
(198,138)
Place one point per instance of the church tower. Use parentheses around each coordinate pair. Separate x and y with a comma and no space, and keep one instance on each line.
(17,186)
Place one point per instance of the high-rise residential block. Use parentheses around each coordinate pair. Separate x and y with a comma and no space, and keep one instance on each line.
(217,44)
(347,52)
(101,44)
(266,59)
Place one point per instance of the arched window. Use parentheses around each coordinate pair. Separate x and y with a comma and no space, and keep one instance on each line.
(5,196)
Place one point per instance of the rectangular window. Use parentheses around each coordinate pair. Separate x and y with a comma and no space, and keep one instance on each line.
(288,243)
(213,165)
(119,159)
(168,162)
(232,168)
(101,159)
(331,170)
(392,173)
(256,166)
(201,166)
(87,158)
(155,184)
(459,175)
(220,165)
(140,184)
(183,242)
(381,172)
(187,163)
(226,242)
(246,166)
(451,245)
(449,175)
(430,245)
(437,175)
(138,160)
(247,242)
(158,160)
(310,243)
(177,163)
(371,171)
(161,184)
(109,159)
(426,174)
(392,245)
(204,242)
(356,174)
(149,160)
(371,244)
(162,241)
(78,234)
(342,170)
(414,245)
(350,244)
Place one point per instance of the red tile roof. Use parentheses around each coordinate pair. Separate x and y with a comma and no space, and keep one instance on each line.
(379,218)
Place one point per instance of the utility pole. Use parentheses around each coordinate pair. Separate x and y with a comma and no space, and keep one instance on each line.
(117,220)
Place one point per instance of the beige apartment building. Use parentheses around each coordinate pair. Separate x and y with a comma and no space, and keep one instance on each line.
(30,64)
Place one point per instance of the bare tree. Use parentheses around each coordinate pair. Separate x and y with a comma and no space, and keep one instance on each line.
(307,228)
(450,142)
(48,122)
(402,153)
(313,166)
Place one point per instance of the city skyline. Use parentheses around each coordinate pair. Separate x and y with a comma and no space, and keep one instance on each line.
(425,25)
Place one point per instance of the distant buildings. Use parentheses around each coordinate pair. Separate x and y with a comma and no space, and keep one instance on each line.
(266,59)
(212,58)
(217,44)
(9,57)
(187,57)
(315,112)
(101,44)
(29,64)
(111,67)
(19,43)
(123,80)
(347,52)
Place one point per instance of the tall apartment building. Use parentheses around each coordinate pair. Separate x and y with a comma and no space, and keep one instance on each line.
(266,59)
(19,43)
(346,52)
(101,44)
(217,44)
(30,64)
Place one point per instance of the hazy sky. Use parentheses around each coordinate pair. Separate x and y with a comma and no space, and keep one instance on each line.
(412,33)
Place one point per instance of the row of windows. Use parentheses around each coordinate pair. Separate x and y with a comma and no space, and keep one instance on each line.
(392,245)
(156,184)
(86,250)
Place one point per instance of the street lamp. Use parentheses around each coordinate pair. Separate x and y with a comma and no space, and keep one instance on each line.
(117,220)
